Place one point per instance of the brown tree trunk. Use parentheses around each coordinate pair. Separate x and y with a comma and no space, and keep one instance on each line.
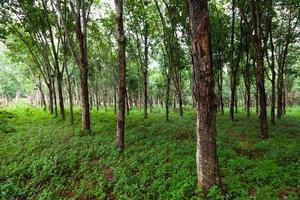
(69,93)
(232,80)
(127,102)
(50,97)
(60,95)
(145,93)
(145,70)
(85,97)
(180,102)
(260,72)
(122,71)
(54,97)
(207,164)
(115,100)
(167,104)
(42,94)
(272,63)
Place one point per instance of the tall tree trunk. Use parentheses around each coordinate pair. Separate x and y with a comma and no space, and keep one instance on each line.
(69,93)
(260,72)
(180,102)
(167,104)
(51,109)
(85,97)
(60,95)
(232,83)
(145,70)
(272,63)
(247,82)
(207,163)
(115,100)
(42,94)
(281,69)
(122,71)
(54,95)
(145,93)
(127,102)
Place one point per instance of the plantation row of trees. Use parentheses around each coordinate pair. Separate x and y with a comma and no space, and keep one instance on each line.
(146,54)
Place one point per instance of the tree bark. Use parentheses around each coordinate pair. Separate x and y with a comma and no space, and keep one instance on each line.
(42,94)
(60,94)
(69,93)
(122,71)
(54,96)
(247,82)
(145,70)
(167,104)
(207,164)
(232,83)
(260,71)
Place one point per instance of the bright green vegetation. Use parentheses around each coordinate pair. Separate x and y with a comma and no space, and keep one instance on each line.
(42,157)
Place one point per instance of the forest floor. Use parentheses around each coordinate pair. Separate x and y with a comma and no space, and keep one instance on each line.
(43,157)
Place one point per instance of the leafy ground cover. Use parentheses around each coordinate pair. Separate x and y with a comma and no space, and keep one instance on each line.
(42,157)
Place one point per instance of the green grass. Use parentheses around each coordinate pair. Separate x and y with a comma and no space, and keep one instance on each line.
(42,157)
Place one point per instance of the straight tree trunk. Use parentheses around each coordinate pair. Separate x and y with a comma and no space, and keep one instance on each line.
(180,102)
(207,163)
(55,99)
(85,97)
(42,94)
(127,102)
(70,93)
(50,97)
(145,70)
(122,71)
(167,104)
(232,83)
(145,74)
(60,95)
(281,69)
(115,100)
(260,72)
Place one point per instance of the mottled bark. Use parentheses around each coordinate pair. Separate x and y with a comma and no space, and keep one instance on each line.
(207,164)
(122,71)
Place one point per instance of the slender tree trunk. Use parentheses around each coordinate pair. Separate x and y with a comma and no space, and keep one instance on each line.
(167,104)
(284,98)
(42,94)
(122,71)
(60,95)
(145,93)
(115,100)
(247,82)
(54,95)
(69,93)
(232,80)
(272,63)
(145,70)
(207,163)
(127,102)
(180,102)
(51,109)
(260,72)
(85,97)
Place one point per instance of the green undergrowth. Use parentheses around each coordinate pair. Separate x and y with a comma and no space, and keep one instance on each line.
(43,157)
